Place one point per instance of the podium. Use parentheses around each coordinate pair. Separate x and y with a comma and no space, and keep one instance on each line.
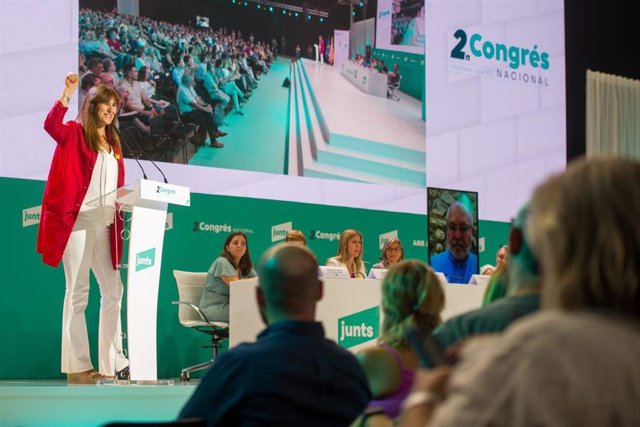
(147,202)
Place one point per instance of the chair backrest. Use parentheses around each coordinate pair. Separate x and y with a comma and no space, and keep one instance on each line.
(190,289)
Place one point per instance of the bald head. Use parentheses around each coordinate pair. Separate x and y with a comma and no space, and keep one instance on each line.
(288,286)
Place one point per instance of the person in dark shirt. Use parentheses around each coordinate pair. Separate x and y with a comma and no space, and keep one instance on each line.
(292,375)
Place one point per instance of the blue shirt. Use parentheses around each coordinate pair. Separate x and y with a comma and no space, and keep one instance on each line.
(186,97)
(291,376)
(454,270)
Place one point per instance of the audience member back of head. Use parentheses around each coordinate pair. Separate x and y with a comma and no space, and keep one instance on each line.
(292,375)
(575,363)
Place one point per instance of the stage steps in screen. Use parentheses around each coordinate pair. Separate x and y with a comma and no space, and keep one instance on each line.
(315,151)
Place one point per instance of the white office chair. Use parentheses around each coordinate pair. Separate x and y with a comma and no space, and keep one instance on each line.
(190,289)
(391,89)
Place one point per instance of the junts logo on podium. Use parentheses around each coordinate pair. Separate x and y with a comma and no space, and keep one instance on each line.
(280,231)
(360,327)
(145,259)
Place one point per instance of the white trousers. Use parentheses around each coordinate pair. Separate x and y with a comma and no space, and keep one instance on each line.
(89,248)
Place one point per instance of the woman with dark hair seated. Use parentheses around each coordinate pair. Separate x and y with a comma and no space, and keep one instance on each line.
(234,263)
(147,84)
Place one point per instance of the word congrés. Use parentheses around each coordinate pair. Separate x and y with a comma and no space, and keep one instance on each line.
(514,56)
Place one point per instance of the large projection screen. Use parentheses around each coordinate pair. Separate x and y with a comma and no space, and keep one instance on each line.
(494,126)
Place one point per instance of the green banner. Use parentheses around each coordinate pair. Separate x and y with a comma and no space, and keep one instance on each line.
(358,328)
(31,307)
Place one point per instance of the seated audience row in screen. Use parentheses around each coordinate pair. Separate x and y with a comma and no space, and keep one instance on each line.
(147,61)
(559,349)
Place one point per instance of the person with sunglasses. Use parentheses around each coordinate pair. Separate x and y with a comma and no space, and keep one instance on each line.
(457,262)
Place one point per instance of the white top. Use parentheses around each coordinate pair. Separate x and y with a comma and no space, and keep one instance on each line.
(104,180)
(135,93)
(549,369)
(361,274)
(148,89)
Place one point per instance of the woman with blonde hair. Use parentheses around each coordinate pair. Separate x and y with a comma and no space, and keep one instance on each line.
(412,297)
(350,254)
(392,252)
(87,165)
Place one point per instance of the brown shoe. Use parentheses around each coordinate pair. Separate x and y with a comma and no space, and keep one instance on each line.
(219,134)
(87,377)
(216,144)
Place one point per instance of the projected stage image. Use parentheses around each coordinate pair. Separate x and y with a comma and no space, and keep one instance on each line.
(400,26)
(407,28)
(216,97)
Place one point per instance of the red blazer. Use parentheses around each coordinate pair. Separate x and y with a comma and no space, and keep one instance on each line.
(69,178)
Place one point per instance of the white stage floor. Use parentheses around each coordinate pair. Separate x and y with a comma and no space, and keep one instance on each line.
(349,111)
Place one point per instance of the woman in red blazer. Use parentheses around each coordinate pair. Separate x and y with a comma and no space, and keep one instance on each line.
(84,234)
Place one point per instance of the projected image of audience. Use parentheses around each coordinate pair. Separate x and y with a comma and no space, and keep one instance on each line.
(407,23)
(209,85)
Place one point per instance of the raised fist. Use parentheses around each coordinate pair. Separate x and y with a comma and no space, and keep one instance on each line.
(71,81)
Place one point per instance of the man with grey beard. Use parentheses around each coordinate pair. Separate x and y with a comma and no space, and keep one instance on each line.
(457,263)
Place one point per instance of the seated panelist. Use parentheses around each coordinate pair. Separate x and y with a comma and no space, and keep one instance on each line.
(350,254)
(234,263)
(392,253)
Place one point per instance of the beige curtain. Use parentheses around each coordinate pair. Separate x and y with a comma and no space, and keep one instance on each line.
(613,116)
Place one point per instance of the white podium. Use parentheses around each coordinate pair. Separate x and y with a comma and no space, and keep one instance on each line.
(147,202)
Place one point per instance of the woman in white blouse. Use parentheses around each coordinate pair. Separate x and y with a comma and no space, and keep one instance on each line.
(350,254)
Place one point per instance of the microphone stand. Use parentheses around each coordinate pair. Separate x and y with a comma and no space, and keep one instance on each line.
(144,175)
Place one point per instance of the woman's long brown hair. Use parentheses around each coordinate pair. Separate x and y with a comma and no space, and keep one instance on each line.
(245,264)
(88,118)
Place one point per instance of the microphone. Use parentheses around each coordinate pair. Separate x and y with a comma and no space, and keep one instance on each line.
(144,175)
(152,162)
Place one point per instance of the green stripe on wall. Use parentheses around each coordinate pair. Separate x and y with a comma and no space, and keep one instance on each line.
(411,67)
(31,307)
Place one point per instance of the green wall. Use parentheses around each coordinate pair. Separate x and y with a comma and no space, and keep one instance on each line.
(31,307)
(411,67)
